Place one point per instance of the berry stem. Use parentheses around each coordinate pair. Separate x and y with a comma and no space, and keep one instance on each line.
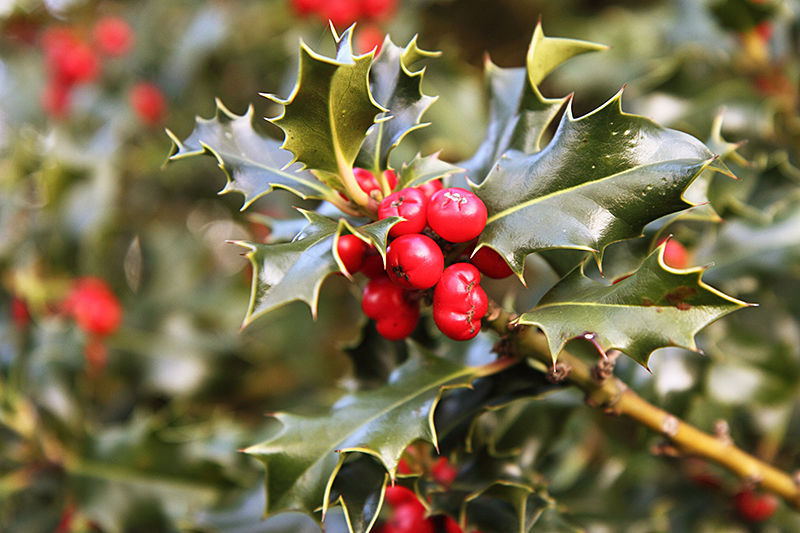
(615,398)
(368,205)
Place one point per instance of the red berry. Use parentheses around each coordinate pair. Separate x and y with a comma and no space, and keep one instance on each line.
(429,188)
(352,252)
(368,182)
(341,13)
(56,99)
(408,203)
(414,261)
(491,264)
(20,314)
(148,102)
(457,215)
(377,9)
(409,517)
(386,303)
(78,64)
(451,526)
(306,7)
(755,506)
(113,36)
(443,472)
(398,495)
(94,307)
(373,265)
(675,254)
(459,302)
(369,38)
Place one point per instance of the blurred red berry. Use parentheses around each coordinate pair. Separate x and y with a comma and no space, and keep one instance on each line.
(378,9)
(94,307)
(96,355)
(148,102)
(306,7)
(342,13)
(56,99)
(369,38)
(675,254)
(20,314)
(397,495)
(113,36)
(69,59)
(443,472)
(755,506)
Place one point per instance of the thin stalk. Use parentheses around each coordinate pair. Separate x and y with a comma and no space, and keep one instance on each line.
(616,398)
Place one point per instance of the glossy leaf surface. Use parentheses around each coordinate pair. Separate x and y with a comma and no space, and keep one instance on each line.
(601,179)
(303,458)
(397,88)
(253,163)
(326,118)
(655,307)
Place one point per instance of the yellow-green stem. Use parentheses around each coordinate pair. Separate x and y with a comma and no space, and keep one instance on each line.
(354,191)
(615,397)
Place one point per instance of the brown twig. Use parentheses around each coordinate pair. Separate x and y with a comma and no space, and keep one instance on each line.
(616,398)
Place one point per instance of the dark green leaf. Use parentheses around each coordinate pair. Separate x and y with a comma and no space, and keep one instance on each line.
(253,163)
(518,113)
(603,177)
(374,357)
(302,459)
(395,87)
(326,118)
(655,307)
(287,272)
(424,169)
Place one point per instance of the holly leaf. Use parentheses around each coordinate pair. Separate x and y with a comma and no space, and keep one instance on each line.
(326,118)
(303,459)
(254,164)
(397,88)
(287,272)
(656,306)
(424,169)
(518,113)
(601,179)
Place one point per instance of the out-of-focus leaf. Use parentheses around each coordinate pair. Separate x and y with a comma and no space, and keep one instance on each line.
(601,179)
(655,307)
(397,88)
(303,458)
(253,163)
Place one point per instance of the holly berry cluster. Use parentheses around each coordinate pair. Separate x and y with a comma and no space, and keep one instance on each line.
(407,514)
(436,221)
(72,59)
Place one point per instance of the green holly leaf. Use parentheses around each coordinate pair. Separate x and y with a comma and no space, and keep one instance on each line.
(422,170)
(601,179)
(518,113)
(254,164)
(326,118)
(302,460)
(287,272)
(395,87)
(656,306)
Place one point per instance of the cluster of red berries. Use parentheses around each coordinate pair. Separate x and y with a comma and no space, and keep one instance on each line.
(71,60)
(408,514)
(436,221)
